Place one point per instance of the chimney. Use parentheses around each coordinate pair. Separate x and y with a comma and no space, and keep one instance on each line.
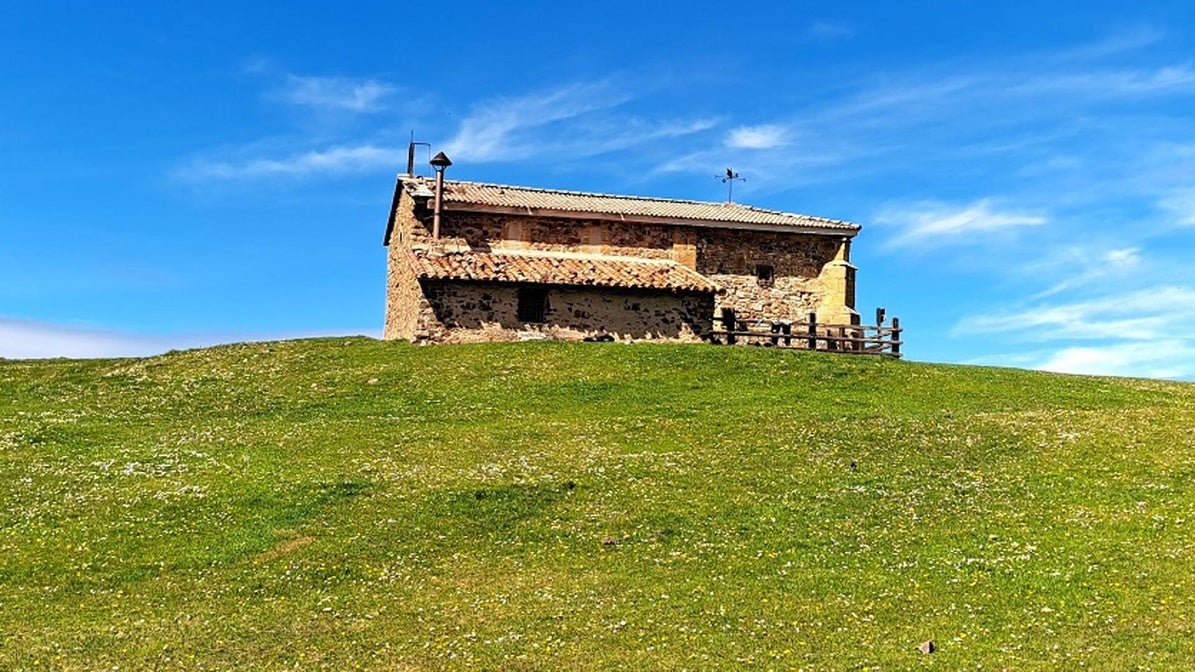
(439,162)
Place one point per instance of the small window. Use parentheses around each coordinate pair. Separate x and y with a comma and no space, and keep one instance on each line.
(765,274)
(533,304)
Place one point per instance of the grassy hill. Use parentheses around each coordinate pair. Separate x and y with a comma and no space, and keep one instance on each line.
(345,503)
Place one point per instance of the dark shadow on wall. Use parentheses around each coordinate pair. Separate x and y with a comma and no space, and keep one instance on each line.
(629,313)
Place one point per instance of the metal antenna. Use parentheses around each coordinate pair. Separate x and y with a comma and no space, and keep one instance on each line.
(411,153)
(728,179)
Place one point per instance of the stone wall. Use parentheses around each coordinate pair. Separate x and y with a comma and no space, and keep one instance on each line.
(472,312)
(485,231)
(406,306)
(730,258)
(810,273)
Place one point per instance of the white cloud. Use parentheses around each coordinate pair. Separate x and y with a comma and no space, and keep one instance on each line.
(766,136)
(937,224)
(1144,314)
(23,339)
(335,93)
(1181,205)
(495,131)
(593,139)
(567,123)
(1020,90)
(29,340)
(1161,358)
(1052,109)
(333,160)
(827,31)
(1080,267)
(1131,39)
(1101,84)
(918,117)
(1135,333)
(1129,256)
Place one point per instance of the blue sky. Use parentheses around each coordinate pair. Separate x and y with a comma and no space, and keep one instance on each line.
(1024,172)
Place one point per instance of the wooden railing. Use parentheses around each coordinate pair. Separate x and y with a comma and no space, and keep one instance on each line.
(854,339)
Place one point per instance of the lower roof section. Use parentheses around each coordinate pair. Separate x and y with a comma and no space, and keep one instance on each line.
(556,269)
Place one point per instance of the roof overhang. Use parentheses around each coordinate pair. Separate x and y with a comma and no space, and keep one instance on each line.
(844,232)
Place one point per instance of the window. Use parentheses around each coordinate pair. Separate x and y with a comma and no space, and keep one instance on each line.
(765,274)
(533,304)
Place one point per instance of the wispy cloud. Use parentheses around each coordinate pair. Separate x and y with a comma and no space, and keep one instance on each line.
(24,339)
(916,118)
(1159,358)
(1165,358)
(1144,314)
(599,137)
(1083,268)
(335,93)
(329,161)
(574,121)
(1121,42)
(322,144)
(1138,333)
(945,99)
(934,113)
(936,224)
(765,136)
(824,30)
(496,130)
(1181,205)
(1103,84)
(568,123)
(21,339)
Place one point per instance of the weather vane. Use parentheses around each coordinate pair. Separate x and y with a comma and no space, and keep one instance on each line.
(728,179)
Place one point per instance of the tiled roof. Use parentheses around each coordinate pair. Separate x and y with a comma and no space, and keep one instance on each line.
(557,269)
(461,195)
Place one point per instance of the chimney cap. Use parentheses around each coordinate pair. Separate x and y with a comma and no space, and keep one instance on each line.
(440,161)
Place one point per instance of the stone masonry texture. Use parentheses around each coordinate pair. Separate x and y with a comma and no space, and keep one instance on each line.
(800,276)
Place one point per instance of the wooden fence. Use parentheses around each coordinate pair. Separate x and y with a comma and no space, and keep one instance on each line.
(854,339)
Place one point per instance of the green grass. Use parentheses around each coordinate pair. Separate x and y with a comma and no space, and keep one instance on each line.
(346,503)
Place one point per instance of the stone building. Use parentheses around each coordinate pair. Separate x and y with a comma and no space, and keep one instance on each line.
(500,263)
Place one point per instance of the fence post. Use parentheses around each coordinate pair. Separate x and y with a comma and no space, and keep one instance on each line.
(813,331)
(896,337)
(729,324)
